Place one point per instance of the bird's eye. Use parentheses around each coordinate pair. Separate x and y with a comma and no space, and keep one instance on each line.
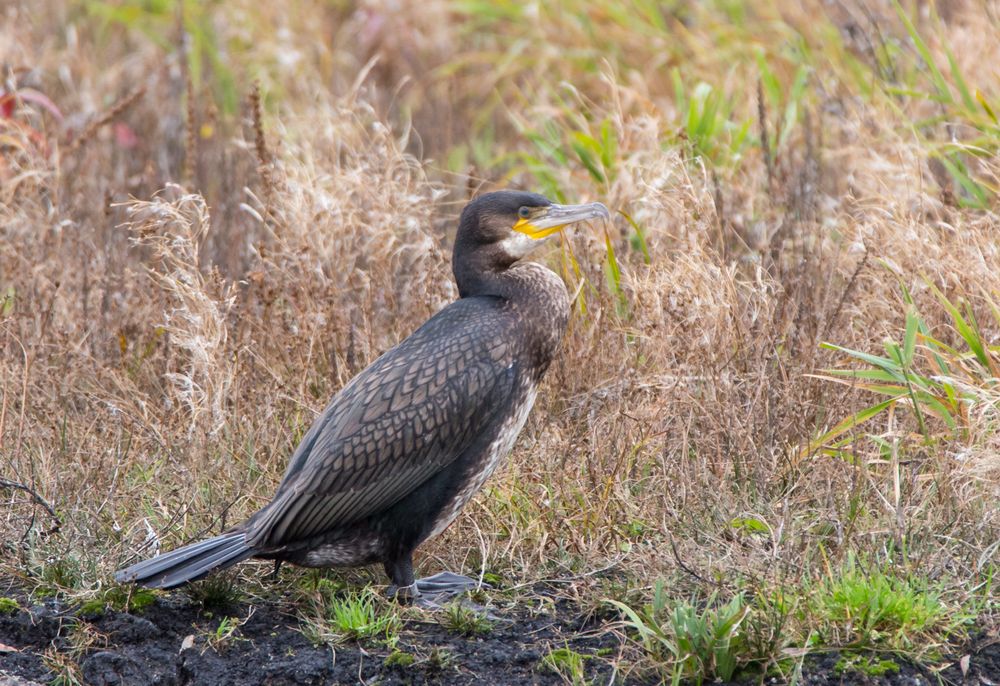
(524,213)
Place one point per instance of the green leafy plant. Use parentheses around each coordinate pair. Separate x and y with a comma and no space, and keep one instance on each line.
(569,141)
(226,632)
(707,122)
(688,642)
(923,373)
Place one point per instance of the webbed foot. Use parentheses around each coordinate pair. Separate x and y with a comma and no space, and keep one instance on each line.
(448,584)
(433,592)
(411,595)
(438,591)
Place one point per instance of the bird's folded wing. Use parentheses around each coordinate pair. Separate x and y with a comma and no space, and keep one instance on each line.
(413,411)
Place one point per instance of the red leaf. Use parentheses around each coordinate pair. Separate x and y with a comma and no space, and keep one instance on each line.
(9,100)
(7,103)
(125,136)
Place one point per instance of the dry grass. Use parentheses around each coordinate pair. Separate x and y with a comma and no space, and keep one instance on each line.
(162,355)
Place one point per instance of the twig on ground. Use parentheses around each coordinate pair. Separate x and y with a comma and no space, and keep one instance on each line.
(680,563)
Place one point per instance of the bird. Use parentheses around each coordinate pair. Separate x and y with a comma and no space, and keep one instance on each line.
(406,443)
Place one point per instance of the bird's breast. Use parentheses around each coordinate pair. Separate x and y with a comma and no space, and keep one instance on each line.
(482,466)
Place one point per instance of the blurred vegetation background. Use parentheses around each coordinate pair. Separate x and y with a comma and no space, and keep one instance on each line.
(780,381)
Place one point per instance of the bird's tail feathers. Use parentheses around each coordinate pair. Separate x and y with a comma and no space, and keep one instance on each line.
(188,563)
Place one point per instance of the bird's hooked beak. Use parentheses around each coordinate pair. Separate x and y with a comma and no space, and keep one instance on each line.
(553,218)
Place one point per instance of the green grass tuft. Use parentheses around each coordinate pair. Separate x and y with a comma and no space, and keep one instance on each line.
(566,663)
(465,621)
(352,615)
(218,592)
(874,608)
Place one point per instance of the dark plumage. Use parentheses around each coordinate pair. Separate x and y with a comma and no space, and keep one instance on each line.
(396,454)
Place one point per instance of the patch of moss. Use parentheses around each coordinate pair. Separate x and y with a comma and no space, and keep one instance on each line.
(94,606)
(8,606)
(140,599)
(865,664)
(494,580)
(119,599)
(397,658)
(43,592)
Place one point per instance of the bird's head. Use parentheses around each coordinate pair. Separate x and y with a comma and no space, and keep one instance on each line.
(497,229)
(508,225)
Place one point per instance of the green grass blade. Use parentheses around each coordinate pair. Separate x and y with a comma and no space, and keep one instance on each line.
(981,99)
(925,54)
(640,236)
(969,334)
(584,147)
(880,362)
(609,145)
(935,406)
(910,337)
(614,276)
(848,424)
(892,390)
(963,89)
(977,196)
(865,374)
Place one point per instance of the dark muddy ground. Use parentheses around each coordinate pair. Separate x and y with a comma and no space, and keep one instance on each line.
(172,643)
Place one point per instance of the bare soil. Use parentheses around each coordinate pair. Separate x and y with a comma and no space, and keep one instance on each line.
(170,643)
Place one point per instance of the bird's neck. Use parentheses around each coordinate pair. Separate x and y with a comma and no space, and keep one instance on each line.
(483,271)
(535,292)
(491,271)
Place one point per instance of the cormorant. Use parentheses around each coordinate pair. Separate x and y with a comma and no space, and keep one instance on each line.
(404,445)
